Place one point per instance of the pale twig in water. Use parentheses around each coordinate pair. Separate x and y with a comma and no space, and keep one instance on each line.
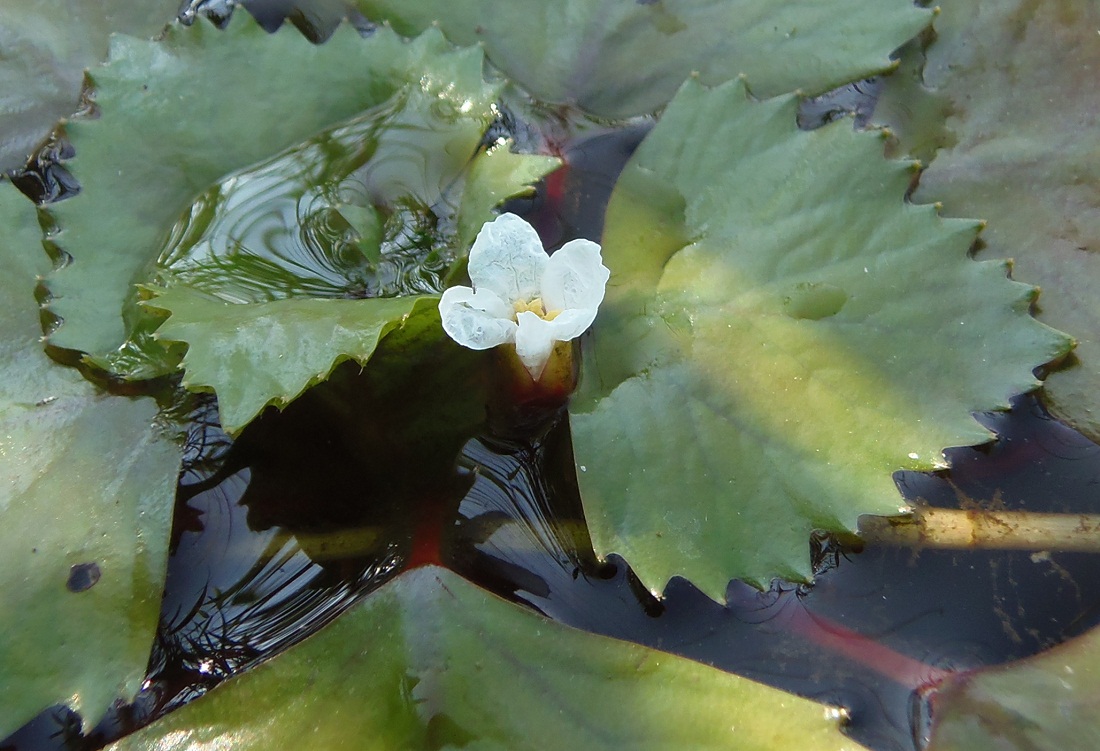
(958,529)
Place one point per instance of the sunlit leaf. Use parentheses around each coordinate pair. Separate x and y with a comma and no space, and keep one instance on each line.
(1027,162)
(257,354)
(44,48)
(1044,703)
(430,661)
(619,59)
(782,332)
(86,502)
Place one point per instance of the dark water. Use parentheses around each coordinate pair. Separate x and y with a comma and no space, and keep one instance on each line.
(277,533)
(875,628)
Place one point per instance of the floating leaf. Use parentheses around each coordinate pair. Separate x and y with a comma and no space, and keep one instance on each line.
(179,114)
(45,47)
(496,175)
(87,506)
(373,208)
(618,59)
(365,208)
(917,115)
(431,661)
(269,353)
(782,332)
(1044,703)
(348,213)
(1026,162)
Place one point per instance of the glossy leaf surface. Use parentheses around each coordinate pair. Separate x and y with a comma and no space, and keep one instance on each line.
(86,501)
(269,353)
(1026,162)
(781,333)
(431,661)
(618,59)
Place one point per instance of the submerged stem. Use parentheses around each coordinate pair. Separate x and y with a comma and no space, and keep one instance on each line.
(959,529)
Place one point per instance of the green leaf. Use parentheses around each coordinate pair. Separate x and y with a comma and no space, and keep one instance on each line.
(179,114)
(1044,703)
(917,115)
(257,354)
(495,175)
(350,212)
(1027,162)
(618,59)
(430,661)
(88,482)
(781,333)
(366,209)
(45,47)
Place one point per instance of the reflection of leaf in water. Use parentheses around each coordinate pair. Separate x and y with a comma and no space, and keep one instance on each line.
(239,594)
(371,445)
(316,19)
(523,506)
(311,507)
(782,332)
(361,210)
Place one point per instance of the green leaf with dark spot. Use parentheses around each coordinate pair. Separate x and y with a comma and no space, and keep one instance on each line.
(619,59)
(430,661)
(86,499)
(782,332)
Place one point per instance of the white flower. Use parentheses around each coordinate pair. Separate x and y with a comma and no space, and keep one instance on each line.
(523,296)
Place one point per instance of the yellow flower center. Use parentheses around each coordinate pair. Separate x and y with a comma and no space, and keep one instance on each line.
(535,306)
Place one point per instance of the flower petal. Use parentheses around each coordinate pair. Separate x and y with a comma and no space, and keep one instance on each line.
(534,342)
(507,258)
(478,320)
(575,278)
(570,324)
